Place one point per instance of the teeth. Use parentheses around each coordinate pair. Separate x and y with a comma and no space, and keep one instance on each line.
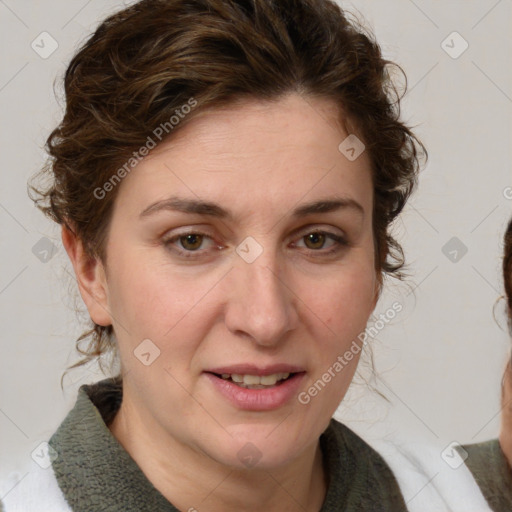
(267,380)
(255,381)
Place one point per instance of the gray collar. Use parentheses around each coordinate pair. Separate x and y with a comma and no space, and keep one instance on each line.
(95,472)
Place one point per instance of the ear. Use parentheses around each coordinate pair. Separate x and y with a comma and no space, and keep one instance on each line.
(91,277)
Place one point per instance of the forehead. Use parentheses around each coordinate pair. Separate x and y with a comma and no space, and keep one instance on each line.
(254,153)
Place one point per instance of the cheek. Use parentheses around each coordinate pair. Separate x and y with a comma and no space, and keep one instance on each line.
(346,301)
(339,317)
(151,301)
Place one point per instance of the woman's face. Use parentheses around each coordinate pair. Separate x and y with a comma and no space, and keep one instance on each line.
(242,249)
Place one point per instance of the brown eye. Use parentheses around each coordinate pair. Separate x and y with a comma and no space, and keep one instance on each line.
(191,242)
(322,243)
(314,240)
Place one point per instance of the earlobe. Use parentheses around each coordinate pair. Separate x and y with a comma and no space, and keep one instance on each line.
(90,276)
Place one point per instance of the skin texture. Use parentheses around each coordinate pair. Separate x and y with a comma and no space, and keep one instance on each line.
(506,417)
(291,305)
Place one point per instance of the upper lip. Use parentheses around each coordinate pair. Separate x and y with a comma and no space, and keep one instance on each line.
(251,369)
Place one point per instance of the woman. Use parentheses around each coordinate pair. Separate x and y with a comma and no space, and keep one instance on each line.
(490,462)
(225,175)
(506,420)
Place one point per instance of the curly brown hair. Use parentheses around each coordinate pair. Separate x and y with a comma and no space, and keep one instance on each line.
(145,63)
(507,270)
(506,382)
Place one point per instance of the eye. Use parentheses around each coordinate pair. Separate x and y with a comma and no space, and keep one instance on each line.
(189,243)
(315,241)
(194,244)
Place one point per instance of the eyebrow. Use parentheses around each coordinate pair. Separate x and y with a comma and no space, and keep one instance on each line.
(210,209)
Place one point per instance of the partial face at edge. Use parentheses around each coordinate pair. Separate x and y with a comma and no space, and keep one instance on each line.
(256,284)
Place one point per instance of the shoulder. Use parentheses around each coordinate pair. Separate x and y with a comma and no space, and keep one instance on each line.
(488,451)
(34,489)
(359,478)
(491,471)
(431,475)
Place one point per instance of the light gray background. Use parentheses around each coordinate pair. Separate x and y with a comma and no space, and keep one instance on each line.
(441,361)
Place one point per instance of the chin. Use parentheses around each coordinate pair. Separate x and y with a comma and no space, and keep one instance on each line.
(263,447)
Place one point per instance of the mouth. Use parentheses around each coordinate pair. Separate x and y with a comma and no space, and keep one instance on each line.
(248,381)
(257,389)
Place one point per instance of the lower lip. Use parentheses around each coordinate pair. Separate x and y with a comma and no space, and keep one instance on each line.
(258,399)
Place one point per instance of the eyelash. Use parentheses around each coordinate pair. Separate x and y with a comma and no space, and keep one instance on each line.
(340,243)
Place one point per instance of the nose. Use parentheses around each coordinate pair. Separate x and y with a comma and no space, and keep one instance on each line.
(261,306)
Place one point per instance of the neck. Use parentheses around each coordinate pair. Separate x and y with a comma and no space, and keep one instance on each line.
(506,416)
(192,481)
